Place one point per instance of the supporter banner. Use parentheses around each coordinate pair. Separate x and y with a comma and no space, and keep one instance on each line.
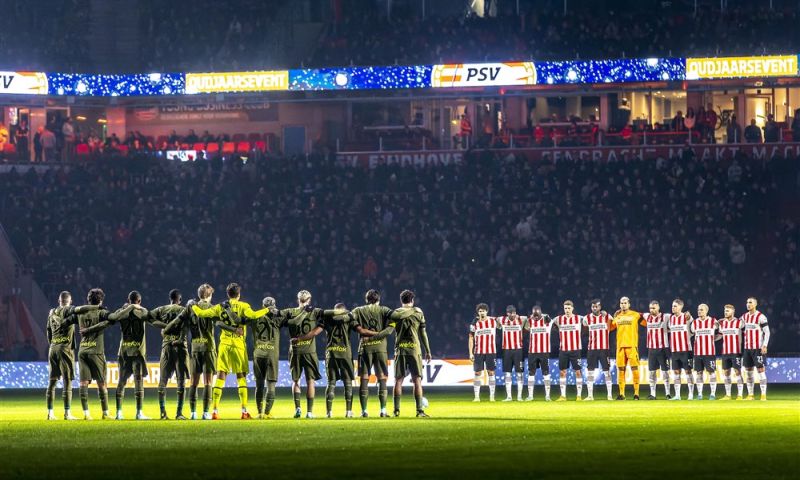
(439,373)
(360,78)
(89,85)
(483,74)
(740,67)
(602,154)
(219,82)
(23,83)
(177,114)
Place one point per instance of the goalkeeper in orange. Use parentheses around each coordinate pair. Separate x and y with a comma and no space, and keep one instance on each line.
(627,322)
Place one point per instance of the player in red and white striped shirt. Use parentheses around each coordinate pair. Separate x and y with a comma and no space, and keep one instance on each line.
(512,326)
(483,349)
(730,331)
(681,347)
(704,329)
(599,323)
(756,339)
(539,325)
(657,324)
(569,348)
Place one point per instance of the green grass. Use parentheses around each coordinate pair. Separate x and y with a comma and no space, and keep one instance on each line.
(669,440)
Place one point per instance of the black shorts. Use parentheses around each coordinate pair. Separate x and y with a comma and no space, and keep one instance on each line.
(658,359)
(92,366)
(204,362)
(732,361)
(538,360)
(405,365)
(174,361)
(484,361)
(304,363)
(512,360)
(339,369)
(62,363)
(705,362)
(597,357)
(373,361)
(753,358)
(129,365)
(571,358)
(680,361)
(265,367)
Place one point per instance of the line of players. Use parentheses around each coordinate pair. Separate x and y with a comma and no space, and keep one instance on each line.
(676,343)
(195,324)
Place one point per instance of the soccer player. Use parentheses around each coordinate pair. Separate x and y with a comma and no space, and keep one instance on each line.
(60,356)
(657,325)
(599,324)
(232,355)
(174,353)
(372,353)
(512,326)
(411,344)
(756,339)
(204,348)
(730,331)
(627,323)
(680,347)
(91,350)
(704,329)
(483,349)
(338,325)
(539,326)
(131,355)
(569,349)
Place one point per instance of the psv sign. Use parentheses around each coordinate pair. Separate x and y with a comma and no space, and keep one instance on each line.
(483,74)
(23,83)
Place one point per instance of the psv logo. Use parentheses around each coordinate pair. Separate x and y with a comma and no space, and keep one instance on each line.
(483,73)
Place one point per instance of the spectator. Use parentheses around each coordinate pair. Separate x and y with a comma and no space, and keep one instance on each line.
(48,141)
(37,145)
(796,126)
(21,137)
(772,131)
(752,134)
(465,131)
(677,122)
(711,120)
(68,133)
(689,120)
(734,130)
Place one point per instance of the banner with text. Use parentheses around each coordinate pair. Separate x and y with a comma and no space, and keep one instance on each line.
(220,82)
(23,83)
(741,67)
(483,74)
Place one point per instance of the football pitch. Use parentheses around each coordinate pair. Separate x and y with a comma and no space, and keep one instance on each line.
(606,439)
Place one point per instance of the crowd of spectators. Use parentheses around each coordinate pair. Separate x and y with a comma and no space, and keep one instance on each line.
(496,229)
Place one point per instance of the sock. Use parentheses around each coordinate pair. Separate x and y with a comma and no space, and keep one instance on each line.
(667,377)
(329,395)
(270,397)
(698,382)
(382,393)
(590,382)
(476,385)
(138,391)
(635,373)
(579,385)
(531,382)
(120,394)
(208,395)
(726,379)
(762,382)
(621,381)
(676,383)
(712,381)
(219,383)
(66,394)
(103,394)
(690,383)
(242,383)
(609,384)
(260,396)
(84,394)
(492,385)
(309,404)
(363,394)
(750,382)
(740,383)
(547,386)
(348,396)
(50,393)
(296,396)
(653,376)
(562,384)
(396,401)
(162,398)
(418,400)
(193,398)
(519,386)
(507,382)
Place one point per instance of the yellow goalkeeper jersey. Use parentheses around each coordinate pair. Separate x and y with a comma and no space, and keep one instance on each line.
(242,309)
(627,328)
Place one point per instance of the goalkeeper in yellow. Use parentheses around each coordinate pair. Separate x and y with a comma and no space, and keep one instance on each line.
(627,322)
(232,354)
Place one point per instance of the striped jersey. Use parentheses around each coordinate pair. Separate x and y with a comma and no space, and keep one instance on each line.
(569,332)
(679,332)
(753,334)
(539,334)
(731,330)
(484,333)
(598,330)
(704,331)
(657,329)
(512,332)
